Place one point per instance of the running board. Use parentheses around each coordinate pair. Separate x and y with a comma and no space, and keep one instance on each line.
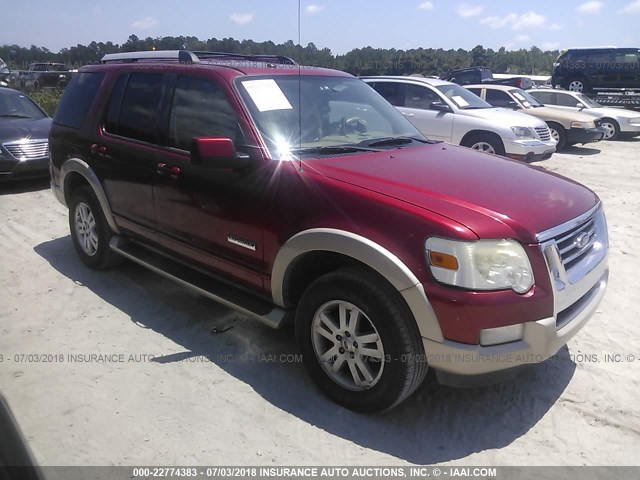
(202,283)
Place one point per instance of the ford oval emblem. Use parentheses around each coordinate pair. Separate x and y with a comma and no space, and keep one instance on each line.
(582,240)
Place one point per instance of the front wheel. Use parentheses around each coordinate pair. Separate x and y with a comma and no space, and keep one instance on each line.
(359,341)
(485,144)
(559,134)
(577,84)
(611,129)
(89,230)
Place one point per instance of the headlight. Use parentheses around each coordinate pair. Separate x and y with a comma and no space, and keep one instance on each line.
(481,265)
(524,132)
(583,125)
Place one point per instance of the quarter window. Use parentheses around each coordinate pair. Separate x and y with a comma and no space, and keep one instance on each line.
(77,99)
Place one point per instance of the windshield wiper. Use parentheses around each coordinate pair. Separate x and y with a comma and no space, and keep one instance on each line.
(397,141)
(14,115)
(329,149)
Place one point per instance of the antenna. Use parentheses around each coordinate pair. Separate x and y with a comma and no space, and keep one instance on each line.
(299,78)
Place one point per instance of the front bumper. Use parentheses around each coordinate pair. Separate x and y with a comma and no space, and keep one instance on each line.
(12,169)
(584,135)
(529,150)
(540,341)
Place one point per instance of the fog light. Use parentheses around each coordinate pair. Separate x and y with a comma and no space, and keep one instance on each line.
(496,336)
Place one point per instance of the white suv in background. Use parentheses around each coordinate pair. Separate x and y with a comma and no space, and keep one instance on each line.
(446,111)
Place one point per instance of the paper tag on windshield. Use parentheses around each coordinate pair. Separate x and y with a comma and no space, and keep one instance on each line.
(519,96)
(266,94)
(460,101)
(526,104)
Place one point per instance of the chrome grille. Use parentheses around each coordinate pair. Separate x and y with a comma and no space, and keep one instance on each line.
(576,243)
(543,133)
(579,245)
(28,149)
(576,256)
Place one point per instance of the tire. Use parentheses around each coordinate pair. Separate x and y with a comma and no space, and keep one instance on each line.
(85,215)
(392,353)
(485,143)
(559,134)
(577,84)
(612,129)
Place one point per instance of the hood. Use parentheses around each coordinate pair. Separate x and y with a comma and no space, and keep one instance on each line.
(20,128)
(493,196)
(560,115)
(505,117)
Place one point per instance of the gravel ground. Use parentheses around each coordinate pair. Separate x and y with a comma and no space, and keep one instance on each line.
(122,367)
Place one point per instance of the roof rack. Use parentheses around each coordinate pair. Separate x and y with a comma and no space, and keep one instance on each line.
(185,56)
(279,59)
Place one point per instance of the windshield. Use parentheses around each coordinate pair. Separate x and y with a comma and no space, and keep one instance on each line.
(587,101)
(525,99)
(58,67)
(16,105)
(295,113)
(463,98)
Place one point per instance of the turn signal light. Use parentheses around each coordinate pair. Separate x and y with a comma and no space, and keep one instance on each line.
(443,260)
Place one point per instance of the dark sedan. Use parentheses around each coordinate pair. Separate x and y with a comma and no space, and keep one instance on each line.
(24,132)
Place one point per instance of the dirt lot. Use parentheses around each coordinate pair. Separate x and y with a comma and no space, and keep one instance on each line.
(121,367)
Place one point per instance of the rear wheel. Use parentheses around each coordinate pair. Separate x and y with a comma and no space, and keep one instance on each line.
(359,341)
(611,129)
(89,230)
(559,134)
(485,143)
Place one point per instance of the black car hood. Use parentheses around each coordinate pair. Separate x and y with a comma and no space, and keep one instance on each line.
(23,128)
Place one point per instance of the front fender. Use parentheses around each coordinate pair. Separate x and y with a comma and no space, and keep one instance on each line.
(367,252)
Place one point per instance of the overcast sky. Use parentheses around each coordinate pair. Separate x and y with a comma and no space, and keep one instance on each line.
(337,24)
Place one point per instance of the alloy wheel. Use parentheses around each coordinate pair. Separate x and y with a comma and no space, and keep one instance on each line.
(609,130)
(85,226)
(483,147)
(347,345)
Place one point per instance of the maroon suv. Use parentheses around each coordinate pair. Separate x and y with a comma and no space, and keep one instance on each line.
(297,193)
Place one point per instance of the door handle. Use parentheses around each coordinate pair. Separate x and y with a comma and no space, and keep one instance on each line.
(407,114)
(167,170)
(98,149)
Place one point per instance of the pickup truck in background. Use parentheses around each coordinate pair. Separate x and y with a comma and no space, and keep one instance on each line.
(44,75)
(477,75)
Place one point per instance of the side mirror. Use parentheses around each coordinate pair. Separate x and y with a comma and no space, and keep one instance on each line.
(217,153)
(512,104)
(580,105)
(440,107)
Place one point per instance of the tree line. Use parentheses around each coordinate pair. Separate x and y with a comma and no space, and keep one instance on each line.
(359,61)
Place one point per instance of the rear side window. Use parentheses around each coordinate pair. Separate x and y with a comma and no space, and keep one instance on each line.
(566,100)
(390,91)
(134,109)
(200,109)
(544,97)
(77,98)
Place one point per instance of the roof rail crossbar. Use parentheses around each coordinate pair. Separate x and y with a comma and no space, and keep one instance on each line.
(279,59)
(182,56)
